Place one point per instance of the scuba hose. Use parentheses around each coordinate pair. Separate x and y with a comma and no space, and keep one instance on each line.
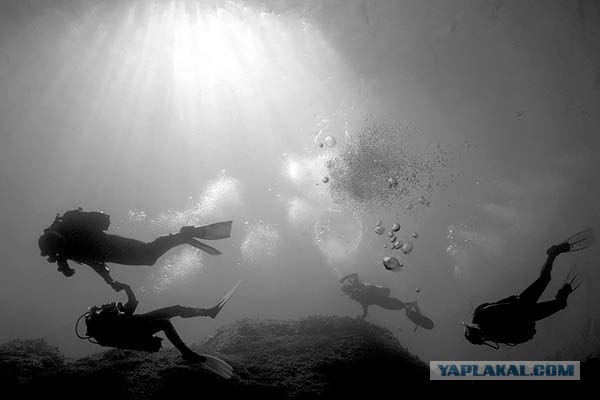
(89,338)
(494,346)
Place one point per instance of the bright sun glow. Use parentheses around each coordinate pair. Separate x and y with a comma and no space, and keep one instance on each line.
(189,82)
(209,60)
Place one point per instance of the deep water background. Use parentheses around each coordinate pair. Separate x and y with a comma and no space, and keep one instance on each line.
(165,113)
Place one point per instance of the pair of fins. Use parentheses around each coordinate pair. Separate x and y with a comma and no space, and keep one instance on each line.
(413,313)
(212,363)
(216,231)
(581,240)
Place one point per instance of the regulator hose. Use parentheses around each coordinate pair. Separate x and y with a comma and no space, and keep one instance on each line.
(89,338)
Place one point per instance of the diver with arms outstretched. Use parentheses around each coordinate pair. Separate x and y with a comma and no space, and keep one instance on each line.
(512,320)
(79,236)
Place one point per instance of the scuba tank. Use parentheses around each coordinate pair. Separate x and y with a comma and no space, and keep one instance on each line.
(505,321)
(81,221)
(109,326)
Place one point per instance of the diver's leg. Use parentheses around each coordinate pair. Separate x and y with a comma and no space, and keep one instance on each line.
(535,290)
(365,310)
(159,246)
(127,251)
(389,303)
(547,308)
(167,327)
(175,311)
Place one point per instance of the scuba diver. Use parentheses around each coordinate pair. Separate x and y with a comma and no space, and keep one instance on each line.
(512,320)
(367,294)
(117,325)
(79,236)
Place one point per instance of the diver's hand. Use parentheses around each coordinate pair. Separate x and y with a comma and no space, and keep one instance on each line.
(557,249)
(68,272)
(63,266)
(118,286)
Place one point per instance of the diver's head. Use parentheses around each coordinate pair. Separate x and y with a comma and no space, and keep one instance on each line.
(50,243)
(474,334)
(347,289)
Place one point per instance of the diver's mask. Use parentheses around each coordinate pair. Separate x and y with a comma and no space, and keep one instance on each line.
(475,335)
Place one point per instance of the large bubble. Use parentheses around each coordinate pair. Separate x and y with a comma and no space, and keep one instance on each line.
(302,214)
(177,267)
(464,243)
(330,141)
(307,174)
(338,235)
(260,244)
(377,155)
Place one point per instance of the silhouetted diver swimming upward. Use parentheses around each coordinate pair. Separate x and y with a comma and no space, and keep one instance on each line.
(512,320)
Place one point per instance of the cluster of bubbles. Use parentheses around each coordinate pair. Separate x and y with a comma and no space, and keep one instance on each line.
(305,173)
(392,263)
(467,242)
(260,244)
(457,239)
(302,214)
(337,234)
(378,170)
(177,267)
(216,201)
(335,231)
(136,215)
(329,141)
(396,243)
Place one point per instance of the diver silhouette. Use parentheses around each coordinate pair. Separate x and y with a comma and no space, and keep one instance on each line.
(368,294)
(117,325)
(79,236)
(511,321)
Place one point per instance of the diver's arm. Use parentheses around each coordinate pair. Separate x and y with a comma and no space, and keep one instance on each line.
(104,272)
(365,310)
(413,306)
(63,266)
(132,302)
(353,276)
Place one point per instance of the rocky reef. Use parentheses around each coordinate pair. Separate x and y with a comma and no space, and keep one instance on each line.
(308,358)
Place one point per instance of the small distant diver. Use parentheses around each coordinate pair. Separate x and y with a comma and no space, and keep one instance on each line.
(80,236)
(117,325)
(511,321)
(368,294)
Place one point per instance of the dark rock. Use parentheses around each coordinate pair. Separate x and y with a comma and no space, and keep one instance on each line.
(308,358)
(24,361)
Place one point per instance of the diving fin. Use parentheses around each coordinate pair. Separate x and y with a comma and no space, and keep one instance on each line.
(227,296)
(212,312)
(213,364)
(203,246)
(216,231)
(419,319)
(581,240)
